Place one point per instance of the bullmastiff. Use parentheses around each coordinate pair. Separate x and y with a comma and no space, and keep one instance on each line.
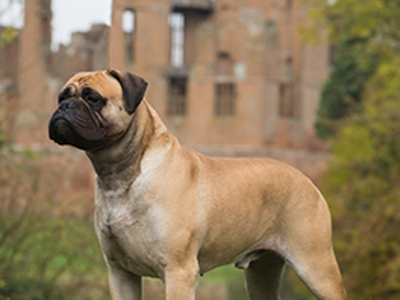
(163,210)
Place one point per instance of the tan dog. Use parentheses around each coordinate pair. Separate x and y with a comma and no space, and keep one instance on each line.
(166,211)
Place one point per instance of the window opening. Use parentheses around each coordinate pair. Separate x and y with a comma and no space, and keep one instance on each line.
(128,25)
(287,101)
(177,103)
(177,24)
(272,34)
(225,98)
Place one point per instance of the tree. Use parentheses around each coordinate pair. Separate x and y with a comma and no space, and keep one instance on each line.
(364,34)
(342,92)
(362,184)
(48,247)
(363,188)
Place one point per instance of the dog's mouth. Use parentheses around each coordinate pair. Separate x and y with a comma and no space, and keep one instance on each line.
(59,129)
(62,131)
(65,129)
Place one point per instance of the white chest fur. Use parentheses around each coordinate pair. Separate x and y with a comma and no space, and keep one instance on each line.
(129,231)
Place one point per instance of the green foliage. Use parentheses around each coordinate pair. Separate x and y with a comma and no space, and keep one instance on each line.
(342,91)
(375,21)
(229,276)
(23,289)
(363,186)
(365,35)
(42,255)
(7,35)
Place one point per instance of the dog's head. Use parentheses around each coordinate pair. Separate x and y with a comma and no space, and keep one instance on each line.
(95,108)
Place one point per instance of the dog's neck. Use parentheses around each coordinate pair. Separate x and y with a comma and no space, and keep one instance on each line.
(123,156)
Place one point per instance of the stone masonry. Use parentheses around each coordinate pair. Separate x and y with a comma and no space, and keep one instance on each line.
(247,53)
(222,73)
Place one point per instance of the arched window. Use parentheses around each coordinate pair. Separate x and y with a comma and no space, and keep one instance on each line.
(128,25)
(177,23)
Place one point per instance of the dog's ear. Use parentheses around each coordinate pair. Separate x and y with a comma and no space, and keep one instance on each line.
(133,88)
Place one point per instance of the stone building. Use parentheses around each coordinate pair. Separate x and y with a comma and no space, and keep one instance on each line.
(87,51)
(25,66)
(222,73)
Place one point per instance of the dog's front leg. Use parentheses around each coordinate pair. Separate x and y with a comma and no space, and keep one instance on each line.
(181,282)
(124,285)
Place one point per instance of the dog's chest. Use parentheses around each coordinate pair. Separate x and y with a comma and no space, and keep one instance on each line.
(130,237)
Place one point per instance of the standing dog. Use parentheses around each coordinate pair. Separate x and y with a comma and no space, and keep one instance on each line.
(166,211)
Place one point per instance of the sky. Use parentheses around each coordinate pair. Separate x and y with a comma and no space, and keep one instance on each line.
(77,15)
(68,16)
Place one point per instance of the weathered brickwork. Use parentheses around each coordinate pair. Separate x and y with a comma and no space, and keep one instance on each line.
(222,73)
(249,51)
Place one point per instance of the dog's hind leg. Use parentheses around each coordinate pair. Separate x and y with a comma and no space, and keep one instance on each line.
(263,277)
(319,270)
(307,247)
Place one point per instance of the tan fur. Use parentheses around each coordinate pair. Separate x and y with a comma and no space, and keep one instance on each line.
(167,211)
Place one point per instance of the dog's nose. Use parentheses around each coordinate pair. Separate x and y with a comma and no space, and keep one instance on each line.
(66,105)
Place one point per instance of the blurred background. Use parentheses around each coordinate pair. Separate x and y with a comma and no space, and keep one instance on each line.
(314,83)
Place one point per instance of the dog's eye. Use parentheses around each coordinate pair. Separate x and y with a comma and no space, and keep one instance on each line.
(92,99)
(91,96)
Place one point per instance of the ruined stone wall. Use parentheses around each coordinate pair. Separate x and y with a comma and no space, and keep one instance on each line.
(34,59)
(248,48)
(151,44)
(275,77)
(292,63)
(87,51)
(33,74)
